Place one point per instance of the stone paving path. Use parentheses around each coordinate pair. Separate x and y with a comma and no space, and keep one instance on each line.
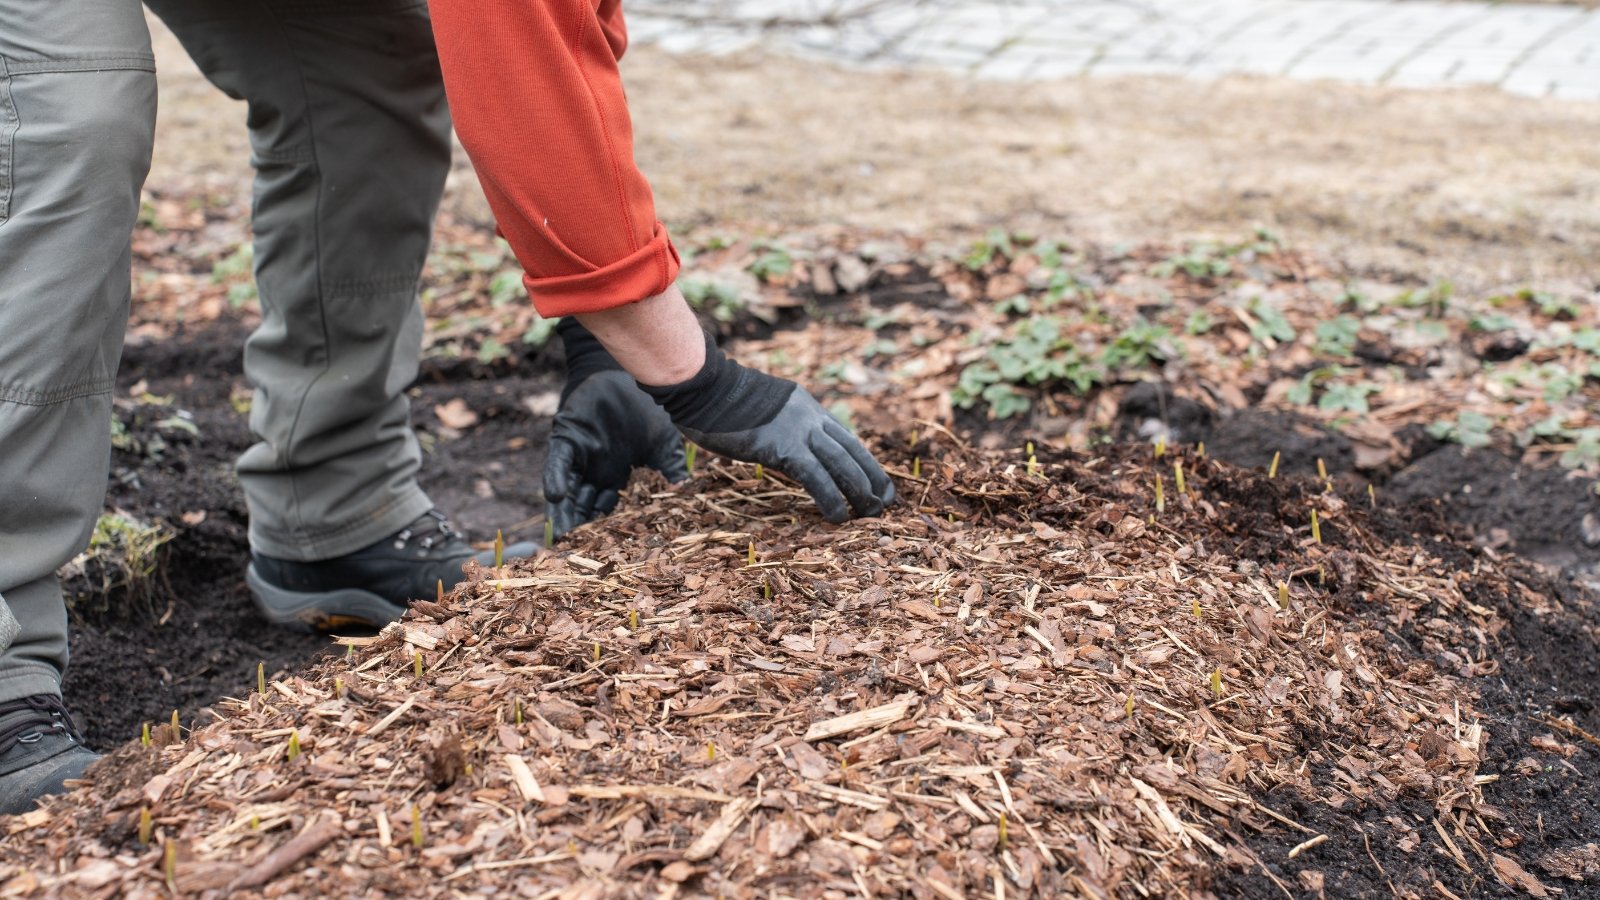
(1525,48)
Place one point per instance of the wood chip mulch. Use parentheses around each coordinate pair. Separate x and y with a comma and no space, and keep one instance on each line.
(1023,680)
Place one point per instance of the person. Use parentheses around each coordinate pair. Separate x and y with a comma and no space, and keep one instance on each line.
(350,139)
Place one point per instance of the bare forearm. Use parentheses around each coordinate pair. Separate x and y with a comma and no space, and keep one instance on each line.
(657,340)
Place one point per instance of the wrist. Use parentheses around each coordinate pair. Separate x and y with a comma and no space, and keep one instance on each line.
(722,395)
(657,340)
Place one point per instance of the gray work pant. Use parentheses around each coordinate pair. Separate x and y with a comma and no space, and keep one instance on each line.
(350,140)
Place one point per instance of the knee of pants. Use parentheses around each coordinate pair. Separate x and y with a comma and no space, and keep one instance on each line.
(110,131)
(83,142)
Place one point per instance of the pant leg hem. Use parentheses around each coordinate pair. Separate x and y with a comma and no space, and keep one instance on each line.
(363,530)
(27,679)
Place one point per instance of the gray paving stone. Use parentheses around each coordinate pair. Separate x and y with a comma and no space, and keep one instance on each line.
(1525,48)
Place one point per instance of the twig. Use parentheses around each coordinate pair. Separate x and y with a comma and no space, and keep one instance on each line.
(298,847)
(1307,845)
(1367,841)
(1569,728)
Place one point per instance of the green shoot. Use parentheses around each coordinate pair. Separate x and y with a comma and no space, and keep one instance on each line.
(1322,469)
(1194,606)
(499,549)
(416,827)
(516,710)
(750,555)
(916,467)
(711,752)
(1161,447)
(146,826)
(144,735)
(549,533)
(1177,471)
(255,823)
(596,651)
(338,688)
(349,650)
(1005,836)
(1283,595)
(688,455)
(1316,527)
(416,663)
(1272,470)
(1200,450)
(1216,682)
(760,472)
(633,619)
(261,678)
(177,734)
(170,866)
(1372,496)
(1033,465)
(441,590)
(293,751)
(1128,707)
(766,590)
(1028,448)
(1161,495)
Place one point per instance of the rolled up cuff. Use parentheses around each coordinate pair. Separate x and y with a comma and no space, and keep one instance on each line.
(647,272)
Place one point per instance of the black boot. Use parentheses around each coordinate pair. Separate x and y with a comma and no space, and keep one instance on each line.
(40,747)
(370,587)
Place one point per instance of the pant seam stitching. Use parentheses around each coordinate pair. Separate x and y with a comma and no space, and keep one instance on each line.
(316,242)
(70,64)
(30,397)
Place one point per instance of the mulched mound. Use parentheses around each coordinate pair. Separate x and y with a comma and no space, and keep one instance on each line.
(1032,677)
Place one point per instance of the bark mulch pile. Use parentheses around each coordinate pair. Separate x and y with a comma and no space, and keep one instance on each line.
(1034,676)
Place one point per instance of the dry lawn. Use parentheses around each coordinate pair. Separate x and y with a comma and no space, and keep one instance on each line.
(1472,186)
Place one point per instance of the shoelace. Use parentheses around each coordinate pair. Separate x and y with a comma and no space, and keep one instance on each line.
(44,712)
(443,533)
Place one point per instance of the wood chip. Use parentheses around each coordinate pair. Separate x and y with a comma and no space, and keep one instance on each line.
(866,719)
(711,841)
(523,777)
(392,717)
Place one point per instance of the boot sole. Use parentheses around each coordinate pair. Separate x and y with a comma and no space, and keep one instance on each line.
(321,611)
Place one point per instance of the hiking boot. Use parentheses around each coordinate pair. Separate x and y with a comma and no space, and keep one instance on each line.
(40,748)
(370,587)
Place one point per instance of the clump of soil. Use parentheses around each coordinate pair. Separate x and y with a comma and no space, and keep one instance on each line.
(1035,677)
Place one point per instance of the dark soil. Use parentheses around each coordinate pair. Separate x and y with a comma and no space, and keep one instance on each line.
(1503,501)
(203,638)
(1547,664)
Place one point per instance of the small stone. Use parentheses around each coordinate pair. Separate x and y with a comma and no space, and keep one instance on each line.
(851,274)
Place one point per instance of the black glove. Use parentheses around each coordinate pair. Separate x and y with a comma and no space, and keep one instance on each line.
(748,415)
(605,427)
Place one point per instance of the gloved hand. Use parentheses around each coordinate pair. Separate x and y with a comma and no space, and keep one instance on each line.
(605,427)
(751,416)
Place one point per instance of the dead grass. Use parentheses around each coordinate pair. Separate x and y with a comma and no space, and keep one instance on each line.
(1472,186)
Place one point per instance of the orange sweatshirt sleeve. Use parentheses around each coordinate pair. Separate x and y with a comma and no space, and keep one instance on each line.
(538,103)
